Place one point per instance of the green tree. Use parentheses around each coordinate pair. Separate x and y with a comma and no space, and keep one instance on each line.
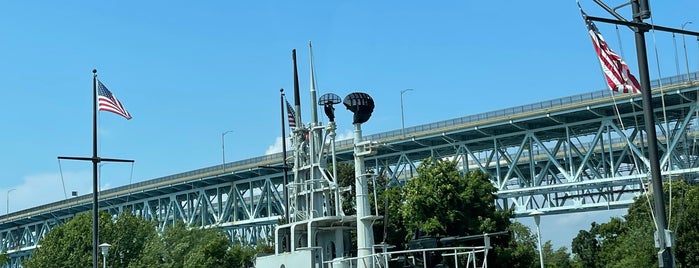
(628,242)
(686,217)
(442,202)
(70,244)
(135,243)
(521,248)
(242,256)
(345,178)
(180,246)
(67,245)
(394,232)
(129,234)
(389,202)
(4,258)
(586,248)
(522,251)
(560,258)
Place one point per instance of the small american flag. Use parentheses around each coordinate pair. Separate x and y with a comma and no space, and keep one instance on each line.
(617,73)
(291,114)
(106,101)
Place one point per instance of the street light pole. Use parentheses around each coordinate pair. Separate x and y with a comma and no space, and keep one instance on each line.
(223,149)
(105,251)
(402,116)
(7,211)
(684,44)
(537,219)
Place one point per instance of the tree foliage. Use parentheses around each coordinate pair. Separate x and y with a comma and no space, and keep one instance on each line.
(687,228)
(394,231)
(70,244)
(179,246)
(586,248)
(442,202)
(522,251)
(521,248)
(389,202)
(559,258)
(4,258)
(129,235)
(135,243)
(345,177)
(628,241)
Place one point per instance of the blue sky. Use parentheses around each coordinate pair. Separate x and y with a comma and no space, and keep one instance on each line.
(189,71)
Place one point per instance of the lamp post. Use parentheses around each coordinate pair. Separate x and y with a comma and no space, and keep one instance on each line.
(402,116)
(684,45)
(537,219)
(104,247)
(7,211)
(223,149)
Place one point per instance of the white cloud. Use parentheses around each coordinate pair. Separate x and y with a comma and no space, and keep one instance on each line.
(40,189)
(346,135)
(277,146)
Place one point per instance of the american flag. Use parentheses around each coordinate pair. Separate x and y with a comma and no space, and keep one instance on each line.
(291,114)
(106,101)
(619,78)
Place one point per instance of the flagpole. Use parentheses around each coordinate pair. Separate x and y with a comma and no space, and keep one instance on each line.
(665,255)
(95,161)
(640,11)
(286,179)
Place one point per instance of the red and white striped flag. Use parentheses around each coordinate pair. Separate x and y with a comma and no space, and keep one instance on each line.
(291,114)
(108,102)
(619,78)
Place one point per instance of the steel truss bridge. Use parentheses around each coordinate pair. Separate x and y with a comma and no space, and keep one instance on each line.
(579,153)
